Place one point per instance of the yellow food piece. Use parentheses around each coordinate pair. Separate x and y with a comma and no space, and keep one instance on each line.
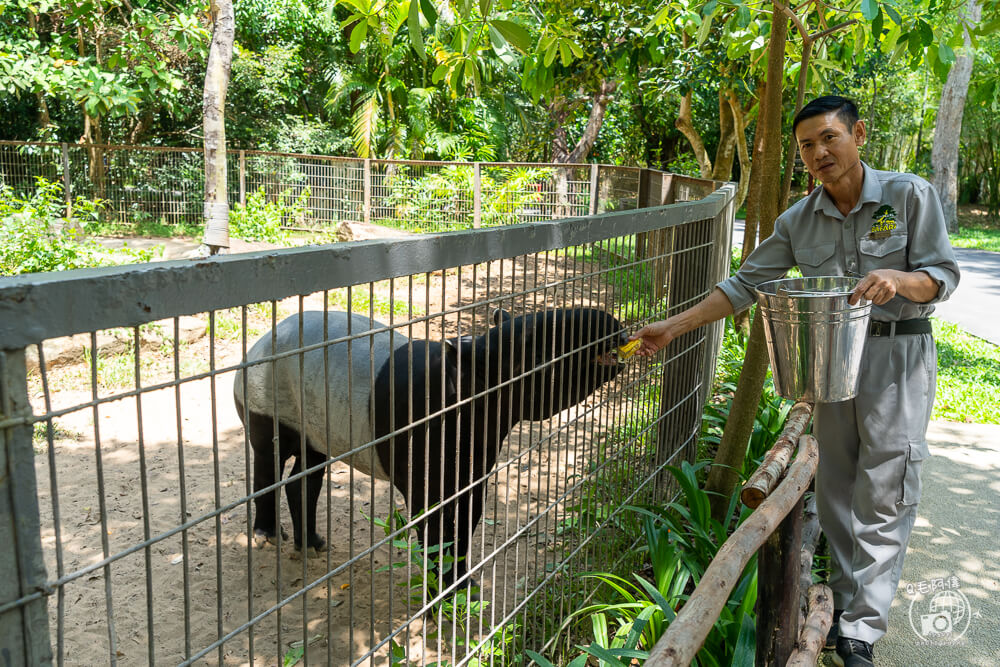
(628,349)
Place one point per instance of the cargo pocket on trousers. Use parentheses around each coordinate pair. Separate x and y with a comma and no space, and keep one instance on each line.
(910,491)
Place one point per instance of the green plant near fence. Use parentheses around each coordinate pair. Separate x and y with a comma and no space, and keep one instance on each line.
(445,198)
(36,235)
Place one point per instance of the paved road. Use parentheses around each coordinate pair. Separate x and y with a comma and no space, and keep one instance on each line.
(975,305)
(953,557)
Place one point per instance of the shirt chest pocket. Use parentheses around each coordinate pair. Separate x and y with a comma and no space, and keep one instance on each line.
(816,260)
(887,253)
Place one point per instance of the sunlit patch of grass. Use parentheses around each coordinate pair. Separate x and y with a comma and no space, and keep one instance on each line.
(976,238)
(364,301)
(968,383)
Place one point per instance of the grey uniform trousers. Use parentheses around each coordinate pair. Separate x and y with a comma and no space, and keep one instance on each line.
(868,481)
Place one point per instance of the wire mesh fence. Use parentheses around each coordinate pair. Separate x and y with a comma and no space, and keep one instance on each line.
(353,454)
(166,185)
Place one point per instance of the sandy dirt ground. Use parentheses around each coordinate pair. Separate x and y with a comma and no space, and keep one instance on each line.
(182,479)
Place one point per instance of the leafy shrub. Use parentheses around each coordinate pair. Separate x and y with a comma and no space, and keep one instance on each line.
(36,236)
(263,220)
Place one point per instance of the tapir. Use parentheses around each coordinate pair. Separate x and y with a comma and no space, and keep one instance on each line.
(437,410)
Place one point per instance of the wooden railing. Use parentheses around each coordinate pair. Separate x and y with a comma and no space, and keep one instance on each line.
(776,530)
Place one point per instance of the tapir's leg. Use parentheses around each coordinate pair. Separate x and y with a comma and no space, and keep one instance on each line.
(260,429)
(293,491)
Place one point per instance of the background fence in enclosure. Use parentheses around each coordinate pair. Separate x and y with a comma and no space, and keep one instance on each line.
(125,516)
(141,183)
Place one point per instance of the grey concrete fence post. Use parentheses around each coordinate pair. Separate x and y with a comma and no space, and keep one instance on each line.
(477,195)
(67,188)
(24,623)
(367,203)
(243,177)
(594,178)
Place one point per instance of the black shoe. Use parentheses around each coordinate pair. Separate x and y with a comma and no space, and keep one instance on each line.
(853,653)
(831,636)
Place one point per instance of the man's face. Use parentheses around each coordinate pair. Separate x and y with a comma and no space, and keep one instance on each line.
(828,147)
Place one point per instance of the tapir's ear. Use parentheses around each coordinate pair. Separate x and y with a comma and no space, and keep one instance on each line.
(500,315)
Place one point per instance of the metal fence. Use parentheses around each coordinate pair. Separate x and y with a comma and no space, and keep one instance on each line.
(135,503)
(145,183)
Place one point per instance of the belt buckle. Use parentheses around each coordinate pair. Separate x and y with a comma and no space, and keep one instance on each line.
(880,328)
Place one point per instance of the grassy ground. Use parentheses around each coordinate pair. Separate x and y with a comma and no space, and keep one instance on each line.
(968,384)
(976,229)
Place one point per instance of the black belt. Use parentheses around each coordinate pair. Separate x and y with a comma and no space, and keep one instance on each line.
(902,327)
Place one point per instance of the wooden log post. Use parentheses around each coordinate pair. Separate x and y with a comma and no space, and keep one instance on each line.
(778,590)
(815,629)
(686,634)
(763,481)
(810,540)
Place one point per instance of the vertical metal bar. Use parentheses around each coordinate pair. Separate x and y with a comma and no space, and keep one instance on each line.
(56,514)
(594,177)
(216,473)
(248,477)
(144,486)
(477,195)
(182,481)
(102,500)
(24,630)
(366,205)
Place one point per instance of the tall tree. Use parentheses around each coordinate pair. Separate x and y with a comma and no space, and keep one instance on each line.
(948,127)
(220,58)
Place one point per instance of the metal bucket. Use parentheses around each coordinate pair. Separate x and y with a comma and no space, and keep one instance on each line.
(814,338)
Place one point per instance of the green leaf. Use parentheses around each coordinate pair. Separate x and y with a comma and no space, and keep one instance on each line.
(743,16)
(551,53)
(515,35)
(745,651)
(541,660)
(565,54)
(416,34)
(358,34)
(945,54)
(869,9)
(429,12)
(926,33)
(877,25)
(604,654)
(893,14)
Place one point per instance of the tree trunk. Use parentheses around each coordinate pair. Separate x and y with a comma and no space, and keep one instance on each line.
(948,127)
(560,144)
(786,184)
(725,154)
(686,127)
(724,475)
(740,133)
(220,58)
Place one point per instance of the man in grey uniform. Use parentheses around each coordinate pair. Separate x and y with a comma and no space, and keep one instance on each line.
(888,229)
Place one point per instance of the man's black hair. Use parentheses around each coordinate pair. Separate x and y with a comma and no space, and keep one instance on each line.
(846,110)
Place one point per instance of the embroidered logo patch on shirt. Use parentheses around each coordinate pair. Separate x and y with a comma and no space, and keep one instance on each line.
(885,222)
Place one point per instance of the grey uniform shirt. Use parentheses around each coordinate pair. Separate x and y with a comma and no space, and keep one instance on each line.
(897,224)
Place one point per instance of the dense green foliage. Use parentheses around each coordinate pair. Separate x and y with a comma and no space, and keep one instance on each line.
(36,235)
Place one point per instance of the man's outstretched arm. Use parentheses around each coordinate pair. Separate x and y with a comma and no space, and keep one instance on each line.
(658,335)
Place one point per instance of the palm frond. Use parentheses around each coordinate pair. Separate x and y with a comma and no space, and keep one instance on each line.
(364,124)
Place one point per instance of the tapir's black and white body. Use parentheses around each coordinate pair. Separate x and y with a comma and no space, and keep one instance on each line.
(529,367)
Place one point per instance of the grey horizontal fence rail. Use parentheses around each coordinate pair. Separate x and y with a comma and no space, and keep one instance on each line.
(152,183)
(686,250)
